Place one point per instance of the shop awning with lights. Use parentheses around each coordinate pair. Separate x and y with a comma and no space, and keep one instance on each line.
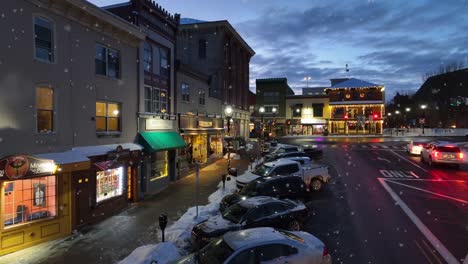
(159,141)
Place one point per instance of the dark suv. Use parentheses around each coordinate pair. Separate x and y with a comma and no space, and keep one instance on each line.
(291,187)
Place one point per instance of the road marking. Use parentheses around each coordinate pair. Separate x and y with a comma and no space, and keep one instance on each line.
(435,242)
(333,146)
(379,158)
(408,160)
(398,174)
(434,193)
(423,252)
(373,146)
(364,146)
(396,147)
(382,145)
(431,251)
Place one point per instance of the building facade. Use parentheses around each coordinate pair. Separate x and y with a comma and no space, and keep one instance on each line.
(219,52)
(307,114)
(271,94)
(68,104)
(157,113)
(356,107)
(200,121)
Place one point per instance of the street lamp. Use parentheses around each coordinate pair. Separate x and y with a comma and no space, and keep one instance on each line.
(273,110)
(262,135)
(307,78)
(228,114)
(423,117)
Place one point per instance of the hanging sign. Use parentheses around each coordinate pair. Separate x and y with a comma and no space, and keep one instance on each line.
(22,166)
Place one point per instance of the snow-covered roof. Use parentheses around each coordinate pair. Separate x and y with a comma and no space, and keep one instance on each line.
(251,236)
(187,20)
(354,83)
(280,162)
(366,102)
(90,151)
(66,157)
(256,201)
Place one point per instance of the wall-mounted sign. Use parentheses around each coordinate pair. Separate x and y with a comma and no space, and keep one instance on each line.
(205,123)
(22,166)
(155,124)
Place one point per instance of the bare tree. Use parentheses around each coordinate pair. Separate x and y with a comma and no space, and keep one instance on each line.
(443,68)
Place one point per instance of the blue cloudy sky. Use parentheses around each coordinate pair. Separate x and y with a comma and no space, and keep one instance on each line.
(387,42)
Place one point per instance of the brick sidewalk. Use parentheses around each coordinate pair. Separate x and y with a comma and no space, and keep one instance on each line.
(116,237)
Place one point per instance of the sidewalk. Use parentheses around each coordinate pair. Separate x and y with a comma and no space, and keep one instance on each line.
(116,237)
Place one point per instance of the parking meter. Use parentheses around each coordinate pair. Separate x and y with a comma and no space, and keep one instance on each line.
(223,179)
(163,224)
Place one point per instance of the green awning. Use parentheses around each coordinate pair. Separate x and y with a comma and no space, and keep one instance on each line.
(158,141)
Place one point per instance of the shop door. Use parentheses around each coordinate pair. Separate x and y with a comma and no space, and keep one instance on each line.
(83,199)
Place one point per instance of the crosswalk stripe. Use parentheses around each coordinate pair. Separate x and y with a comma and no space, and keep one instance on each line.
(333,146)
(382,145)
(373,146)
(365,146)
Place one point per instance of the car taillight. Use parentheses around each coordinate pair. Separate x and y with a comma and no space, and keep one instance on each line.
(460,155)
(325,251)
(420,145)
(436,154)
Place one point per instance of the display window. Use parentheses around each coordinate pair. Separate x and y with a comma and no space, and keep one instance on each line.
(109,183)
(159,165)
(29,200)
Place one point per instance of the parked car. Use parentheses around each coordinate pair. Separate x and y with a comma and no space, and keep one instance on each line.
(282,148)
(281,187)
(313,153)
(314,175)
(252,212)
(261,245)
(414,148)
(436,153)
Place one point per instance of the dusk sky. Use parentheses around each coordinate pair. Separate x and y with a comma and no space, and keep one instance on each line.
(386,42)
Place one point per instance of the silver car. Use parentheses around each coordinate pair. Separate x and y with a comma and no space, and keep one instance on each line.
(436,153)
(262,245)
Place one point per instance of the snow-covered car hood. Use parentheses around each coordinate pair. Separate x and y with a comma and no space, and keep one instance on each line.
(190,259)
(247,177)
(216,224)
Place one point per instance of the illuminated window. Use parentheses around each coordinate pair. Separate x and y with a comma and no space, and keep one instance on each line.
(109,184)
(44,109)
(155,100)
(107,116)
(43,39)
(29,200)
(159,165)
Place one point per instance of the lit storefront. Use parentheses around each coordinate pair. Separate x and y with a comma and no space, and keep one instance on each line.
(204,138)
(34,202)
(309,114)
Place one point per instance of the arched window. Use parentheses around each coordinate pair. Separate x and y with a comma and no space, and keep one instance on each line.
(148,58)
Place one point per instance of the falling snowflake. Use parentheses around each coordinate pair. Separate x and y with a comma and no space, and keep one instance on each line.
(67,27)
(1,139)
(428,212)
(65,70)
(401,244)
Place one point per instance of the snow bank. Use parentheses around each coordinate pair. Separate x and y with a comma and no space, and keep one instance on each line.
(234,156)
(162,253)
(230,187)
(180,232)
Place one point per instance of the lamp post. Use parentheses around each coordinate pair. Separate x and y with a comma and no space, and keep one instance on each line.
(422,120)
(228,114)
(307,78)
(407,109)
(273,110)
(262,135)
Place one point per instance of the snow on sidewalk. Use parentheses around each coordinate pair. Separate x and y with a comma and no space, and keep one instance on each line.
(178,234)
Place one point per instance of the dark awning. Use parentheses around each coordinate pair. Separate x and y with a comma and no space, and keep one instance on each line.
(158,141)
(317,105)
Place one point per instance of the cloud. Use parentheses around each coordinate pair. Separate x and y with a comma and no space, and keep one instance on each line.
(387,42)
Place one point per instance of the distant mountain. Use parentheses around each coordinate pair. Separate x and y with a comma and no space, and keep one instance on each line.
(187,20)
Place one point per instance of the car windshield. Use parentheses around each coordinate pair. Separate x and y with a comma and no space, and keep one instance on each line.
(214,253)
(263,170)
(250,189)
(235,213)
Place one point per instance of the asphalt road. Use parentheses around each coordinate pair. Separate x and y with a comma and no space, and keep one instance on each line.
(385,206)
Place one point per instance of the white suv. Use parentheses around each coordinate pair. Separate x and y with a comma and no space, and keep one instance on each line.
(434,153)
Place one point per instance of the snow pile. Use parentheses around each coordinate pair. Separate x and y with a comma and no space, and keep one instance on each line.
(233,156)
(230,188)
(181,231)
(160,253)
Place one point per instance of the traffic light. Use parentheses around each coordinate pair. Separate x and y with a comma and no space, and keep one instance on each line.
(376,116)
(345,116)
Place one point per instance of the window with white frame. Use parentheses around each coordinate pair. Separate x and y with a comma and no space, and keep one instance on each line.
(201,97)
(108,117)
(155,100)
(44,39)
(107,61)
(185,92)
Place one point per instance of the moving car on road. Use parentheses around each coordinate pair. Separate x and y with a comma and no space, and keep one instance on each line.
(314,175)
(414,148)
(252,212)
(281,187)
(435,153)
(261,245)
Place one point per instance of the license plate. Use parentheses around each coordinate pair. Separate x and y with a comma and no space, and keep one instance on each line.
(449,156)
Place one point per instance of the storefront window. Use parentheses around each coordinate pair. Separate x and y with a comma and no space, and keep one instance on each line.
(109,184)
(159,165)
(29,200)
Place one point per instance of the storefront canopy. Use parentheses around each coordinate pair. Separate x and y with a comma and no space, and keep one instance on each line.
(158,141)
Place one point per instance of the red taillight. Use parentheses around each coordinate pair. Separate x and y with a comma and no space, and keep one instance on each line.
(325,251)
(436,154)
(420,145)
(460,155)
